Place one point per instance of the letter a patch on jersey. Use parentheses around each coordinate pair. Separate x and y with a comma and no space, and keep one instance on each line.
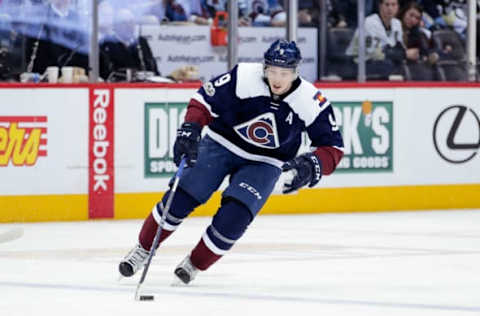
(260,131)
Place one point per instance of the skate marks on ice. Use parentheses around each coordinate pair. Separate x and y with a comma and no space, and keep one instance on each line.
(229,282)
(395,264)
(163,293)
(241,252)
(11,234)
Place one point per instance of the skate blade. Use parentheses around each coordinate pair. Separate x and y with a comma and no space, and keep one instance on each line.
(177,282)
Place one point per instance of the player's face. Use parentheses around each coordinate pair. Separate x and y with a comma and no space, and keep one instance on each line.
(280,79)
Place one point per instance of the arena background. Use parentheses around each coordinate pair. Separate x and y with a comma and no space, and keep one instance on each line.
(105,151)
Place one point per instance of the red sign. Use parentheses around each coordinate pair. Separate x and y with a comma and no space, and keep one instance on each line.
(100,156)
(22,139)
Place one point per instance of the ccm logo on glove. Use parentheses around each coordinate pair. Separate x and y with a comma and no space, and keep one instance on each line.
(186,144)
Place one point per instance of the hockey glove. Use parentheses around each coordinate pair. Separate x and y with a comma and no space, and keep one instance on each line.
(186,144)
(306,169)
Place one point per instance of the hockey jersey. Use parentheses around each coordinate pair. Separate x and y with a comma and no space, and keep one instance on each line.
(377,37)
(242,116)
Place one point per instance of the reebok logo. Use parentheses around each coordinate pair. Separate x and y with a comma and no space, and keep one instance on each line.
(100,141)
(101,170)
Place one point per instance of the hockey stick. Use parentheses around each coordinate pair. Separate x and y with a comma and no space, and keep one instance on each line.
(11,234)
(156,240)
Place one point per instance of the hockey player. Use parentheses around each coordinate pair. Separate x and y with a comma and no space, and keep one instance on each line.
(253,118)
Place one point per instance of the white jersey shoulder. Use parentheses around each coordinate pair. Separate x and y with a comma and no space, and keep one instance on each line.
(305,102)
(377,35)
(250,81)
(376,28)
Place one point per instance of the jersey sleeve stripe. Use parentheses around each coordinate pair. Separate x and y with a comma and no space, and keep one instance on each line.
(210,245)
(158,219)
(198,97)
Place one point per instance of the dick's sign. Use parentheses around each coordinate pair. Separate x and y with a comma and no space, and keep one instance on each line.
(161,123)
(367,130)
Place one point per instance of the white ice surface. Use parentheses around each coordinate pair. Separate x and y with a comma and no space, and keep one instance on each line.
(388,264)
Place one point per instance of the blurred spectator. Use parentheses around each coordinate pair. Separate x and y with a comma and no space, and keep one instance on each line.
(262,12)
(105,19)
(344,12)
(419,54)
(6,55)
(309,13)
(12,39)
(124,50)
(385,52)
(124,53)
(56,37)
(167,11)
(204,11)
(446,14)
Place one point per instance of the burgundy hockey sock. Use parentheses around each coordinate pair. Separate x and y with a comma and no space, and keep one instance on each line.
(149,229)
(202,257)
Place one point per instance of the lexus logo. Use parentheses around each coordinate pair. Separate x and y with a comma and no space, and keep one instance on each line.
(456,134)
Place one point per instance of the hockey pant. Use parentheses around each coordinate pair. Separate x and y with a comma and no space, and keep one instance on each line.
(228,225)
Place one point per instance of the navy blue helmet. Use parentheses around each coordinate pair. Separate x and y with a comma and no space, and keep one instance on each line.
(283,54)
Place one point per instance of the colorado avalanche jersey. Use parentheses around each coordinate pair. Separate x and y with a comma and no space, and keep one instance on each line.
(253,125)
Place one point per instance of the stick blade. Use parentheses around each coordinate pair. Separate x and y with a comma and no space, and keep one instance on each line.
(146,298)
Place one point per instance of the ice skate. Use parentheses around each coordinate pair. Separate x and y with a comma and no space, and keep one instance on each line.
(133,261)
(186,271)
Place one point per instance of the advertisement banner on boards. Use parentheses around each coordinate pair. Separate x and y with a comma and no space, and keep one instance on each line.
(367,130)
(45,139)
(23,140)
(100,156)
(161,123)
(191,45)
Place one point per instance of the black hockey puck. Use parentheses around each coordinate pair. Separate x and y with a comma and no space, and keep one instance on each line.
(146,298)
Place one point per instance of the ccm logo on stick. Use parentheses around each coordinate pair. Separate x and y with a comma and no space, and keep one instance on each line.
(100,187)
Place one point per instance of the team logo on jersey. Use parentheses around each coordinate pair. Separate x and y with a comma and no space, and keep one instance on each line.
(209,88)
(260,131)
(320,98)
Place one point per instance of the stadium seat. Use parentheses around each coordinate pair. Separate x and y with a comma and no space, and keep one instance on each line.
(420,71)
(452,71)
(338,62)
(452,64)
(445,37)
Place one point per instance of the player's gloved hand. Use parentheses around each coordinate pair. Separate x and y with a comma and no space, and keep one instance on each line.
(186,144)
(305,169)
